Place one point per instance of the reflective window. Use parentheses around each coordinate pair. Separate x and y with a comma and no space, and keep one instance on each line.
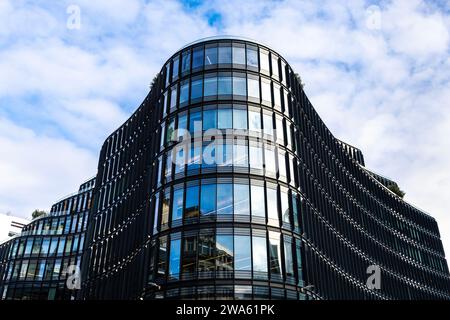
(295,216)
(206,253)
(186,61)
(240,156)
(242,253)
(264,60)
(253,87)
(224,198)
(277,96)
(225,118)
(189,261)
(62,243)
(195,158)
(195,121)
(210,85)
(174,262)
(238,55)
(165,208)
(224,84)
(282,164)
(224,250)
(192,202)
(197,58)
(208,199)
(254,121)
(258,203)
(210,56)
(45,246)
(196,88)
(168,172)
(280,131)
(184,92)
(177,206)
(41,269)
(298,248)
(269,158)
(256,156)
(29,246)
(209,119)
(265,90)
(182,124)
(259,254)
(53,246)
(239,85)
(224,55)
(285,212)
(239,118)
(162,255)
(268,124)
(275,254)
(167,73)
(275,67)
(173,97)
(175,67)
(156,213)
(252,57)
(288,259)
(241,199)
(272,204)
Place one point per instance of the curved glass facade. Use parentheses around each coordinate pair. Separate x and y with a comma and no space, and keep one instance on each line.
(225,183)
(33,264)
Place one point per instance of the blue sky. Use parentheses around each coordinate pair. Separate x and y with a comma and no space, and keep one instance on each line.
(378,72)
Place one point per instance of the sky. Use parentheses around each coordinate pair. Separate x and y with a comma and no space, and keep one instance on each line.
(377,72)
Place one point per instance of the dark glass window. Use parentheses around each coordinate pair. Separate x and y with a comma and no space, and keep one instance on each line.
(189,255)
(224,253)
(184,92)
(162,255)
(208,199)
(197,58)
(165,208)
(186,62)
(175,67)
(206,248)
(241,199)
(192,202)
(195,121)
(224,198)
(209,119)
(275,254)
(288,259)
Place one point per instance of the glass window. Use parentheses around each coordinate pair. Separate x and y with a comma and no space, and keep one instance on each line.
(252,57)
(29,246)
(184,92)
(224,55)
(239,118)
(242,253)
(241,199)
(257,199)
(168,172)
(192,202)
(62,243)
(162,255)
(206,253)
(269,158)
(275,255)
(170,131)
(208,199)
(295,216)
(173,97)
(167,73)
(265,90)
(53,246)
(210,56)
(285,207)
(165,208)
(277,96)
(209,119)
(31,270)
(256,156)
(253,87)
(240,157)
(210,85)
(239,85)
(264,60)
(225,118)
(57,269)
(224,198)
(180,158)
(272,204)
(36,246)
(189,261)
(254,121)
(195,158)
(224,87)
(175,67)
(182,125)
(196,88)
(268,124)
(282,164)
(186,61)
(41,269)
(259,254)
(195,122)
(275,66)
(177,206)
(280,131)
(23,269)
(45,246)
(238,55)
(197,58)
(298,248)
(288,259)
(174,262)
(224,253)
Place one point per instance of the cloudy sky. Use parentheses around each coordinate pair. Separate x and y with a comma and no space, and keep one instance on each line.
(378,72)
